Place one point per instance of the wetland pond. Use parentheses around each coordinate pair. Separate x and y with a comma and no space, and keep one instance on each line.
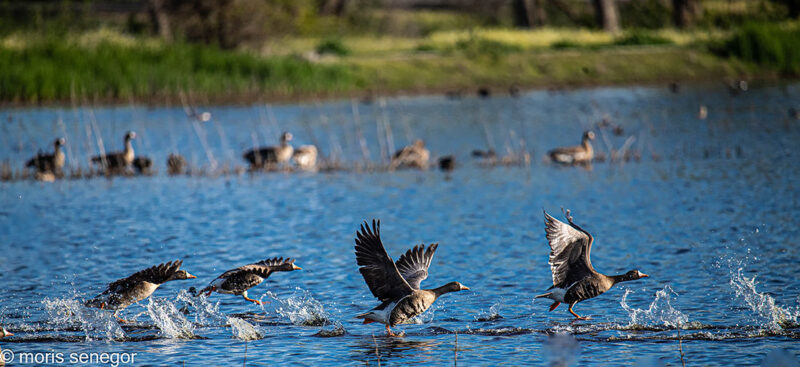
(708,208)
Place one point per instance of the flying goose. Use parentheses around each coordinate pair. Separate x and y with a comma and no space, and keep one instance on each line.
(127,291)
(574,277)
(305,157)
(238,281)
(118,160)
(49,163)
(260,158)
(396,285)
(412,156)
(583,153)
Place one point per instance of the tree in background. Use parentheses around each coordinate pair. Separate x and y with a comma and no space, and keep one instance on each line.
(529,13)
(685,12)
(607,14)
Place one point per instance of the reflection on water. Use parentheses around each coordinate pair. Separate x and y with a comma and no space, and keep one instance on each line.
(707,207)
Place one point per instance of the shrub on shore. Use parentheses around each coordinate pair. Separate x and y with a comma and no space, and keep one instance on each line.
(765,44)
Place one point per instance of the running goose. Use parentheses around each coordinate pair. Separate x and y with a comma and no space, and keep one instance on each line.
(412,156)
(305,157)
(574,277)
(118,160)
(238,281)
(583,153)
(396,285)
(127,291)
(260,158)
(49,163)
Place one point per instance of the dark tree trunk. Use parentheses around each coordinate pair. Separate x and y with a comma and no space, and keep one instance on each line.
(607,15)
(160,18)
(685,12)
(333,7)
(529,13)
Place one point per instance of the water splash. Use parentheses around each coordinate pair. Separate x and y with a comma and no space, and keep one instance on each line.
(660,311)
(763,305)
(206,313)
(301,308)
(169,319)
(70,313)
(492,315)
(244,330)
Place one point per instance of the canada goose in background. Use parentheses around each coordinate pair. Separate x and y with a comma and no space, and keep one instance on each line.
(49,163)
(118,160)
(4,333)
(238,281)
(176,164)
(127,291)
(583,153)
(574,277)
(412,156)
(396,285)
(305,157)
(143,165)
(270,156)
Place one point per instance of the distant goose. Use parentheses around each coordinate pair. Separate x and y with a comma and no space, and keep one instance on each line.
(127,291)
(412,156)
(583,153)
(49,163)
(118,160)
(143,165)
(176,164)
(305,157)
(265,157)
(238,281)
(447,163)
(4,333)
(574,277)
(396,285)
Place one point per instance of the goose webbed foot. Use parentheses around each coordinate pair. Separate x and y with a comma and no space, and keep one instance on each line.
(393,334)
(578,317)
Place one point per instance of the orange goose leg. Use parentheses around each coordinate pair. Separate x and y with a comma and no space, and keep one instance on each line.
(390,333)
(252,300)
(577,317)
(554,305)
(213,288)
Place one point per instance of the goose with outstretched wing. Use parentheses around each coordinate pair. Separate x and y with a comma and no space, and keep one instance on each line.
(574,277)
(396,285)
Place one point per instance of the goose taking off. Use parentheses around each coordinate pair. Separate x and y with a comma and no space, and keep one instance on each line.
(583,153)
(118,160)
(260,158)
(127,291)
(49,163)
(396,285)
(412,156)
(238,281)
(574,277)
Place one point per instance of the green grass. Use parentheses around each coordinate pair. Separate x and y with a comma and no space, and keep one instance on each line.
(770,45)
(46,70)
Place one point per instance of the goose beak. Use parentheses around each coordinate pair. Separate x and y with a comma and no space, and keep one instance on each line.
(295,267)
(464,288)
(8,333)
(644,275)
(190,276)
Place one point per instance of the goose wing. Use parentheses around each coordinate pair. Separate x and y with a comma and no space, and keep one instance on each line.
(413,265)
(377,267)
(570,248)
(156,274)
(262,268)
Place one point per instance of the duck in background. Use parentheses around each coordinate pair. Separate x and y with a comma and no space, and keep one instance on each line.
(411,156)
(270,157)
(117,161)
(583,153)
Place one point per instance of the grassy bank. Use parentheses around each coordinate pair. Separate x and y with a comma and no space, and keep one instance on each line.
(109,66)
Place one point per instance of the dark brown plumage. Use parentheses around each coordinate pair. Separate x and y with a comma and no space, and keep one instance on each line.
(49,163)
(396,285)
(116,161)
(143,165)
(176,164)
(127,291)
(238,281)
(574,277)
